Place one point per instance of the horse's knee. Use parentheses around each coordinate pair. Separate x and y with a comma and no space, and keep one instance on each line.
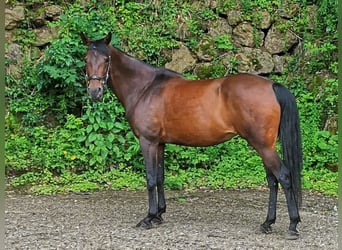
(151,183)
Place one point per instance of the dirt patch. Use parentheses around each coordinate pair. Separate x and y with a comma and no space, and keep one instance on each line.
(194,220)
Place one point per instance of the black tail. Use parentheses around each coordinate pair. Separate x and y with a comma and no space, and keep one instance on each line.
(290,137)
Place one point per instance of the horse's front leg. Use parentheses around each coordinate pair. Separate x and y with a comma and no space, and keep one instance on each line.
(150,153)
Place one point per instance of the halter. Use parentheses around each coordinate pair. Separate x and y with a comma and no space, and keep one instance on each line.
(103,79)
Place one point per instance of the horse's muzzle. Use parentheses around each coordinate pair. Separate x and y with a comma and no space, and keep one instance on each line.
(96,93)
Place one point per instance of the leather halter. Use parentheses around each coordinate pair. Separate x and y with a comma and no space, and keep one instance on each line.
(103,79)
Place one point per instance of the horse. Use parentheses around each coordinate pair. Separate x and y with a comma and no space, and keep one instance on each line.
(163,107)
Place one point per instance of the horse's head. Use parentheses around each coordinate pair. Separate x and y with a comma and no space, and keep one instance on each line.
(97,65)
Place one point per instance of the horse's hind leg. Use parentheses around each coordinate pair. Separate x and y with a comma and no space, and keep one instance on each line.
(278,172)
(285,180)
(271,162)
(272,203)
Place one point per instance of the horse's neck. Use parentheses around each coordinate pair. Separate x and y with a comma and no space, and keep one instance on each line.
(129,77)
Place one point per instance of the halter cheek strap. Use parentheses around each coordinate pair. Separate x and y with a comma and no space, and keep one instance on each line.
(103,78)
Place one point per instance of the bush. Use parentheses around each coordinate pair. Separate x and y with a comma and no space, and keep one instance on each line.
(57,140)
(40,148)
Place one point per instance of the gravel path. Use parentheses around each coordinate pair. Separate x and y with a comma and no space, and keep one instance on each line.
(227,219)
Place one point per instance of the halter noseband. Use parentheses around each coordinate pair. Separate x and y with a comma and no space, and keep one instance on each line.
(103,79)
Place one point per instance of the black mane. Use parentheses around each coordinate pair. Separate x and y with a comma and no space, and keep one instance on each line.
(100,46)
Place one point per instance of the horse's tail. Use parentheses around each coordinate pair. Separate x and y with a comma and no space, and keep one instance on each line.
(290,137)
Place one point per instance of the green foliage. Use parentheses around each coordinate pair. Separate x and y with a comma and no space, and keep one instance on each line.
(224,42)
(320,55)
(320,179)
(124,177)
(250,5)
(144,39)
(214,70)
(25,37)
(62,69)
(24,98)
(108,139)
(41,148)
(57,140)
(327,17)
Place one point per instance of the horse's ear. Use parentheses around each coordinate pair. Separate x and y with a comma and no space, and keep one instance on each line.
(85,39)
(108,38)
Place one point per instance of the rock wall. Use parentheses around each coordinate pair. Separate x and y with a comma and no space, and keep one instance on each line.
(263,47)
(17,17)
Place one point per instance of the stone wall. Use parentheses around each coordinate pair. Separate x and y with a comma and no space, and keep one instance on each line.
(263,46)
(17,17)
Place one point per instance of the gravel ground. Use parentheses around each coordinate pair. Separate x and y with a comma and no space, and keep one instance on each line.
(227,219)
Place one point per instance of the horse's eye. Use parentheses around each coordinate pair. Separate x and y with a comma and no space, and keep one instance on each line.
(107,60)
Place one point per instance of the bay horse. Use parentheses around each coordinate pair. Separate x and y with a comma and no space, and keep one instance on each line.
(163,107)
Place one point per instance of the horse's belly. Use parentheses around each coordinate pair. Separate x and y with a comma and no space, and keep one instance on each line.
(195,137)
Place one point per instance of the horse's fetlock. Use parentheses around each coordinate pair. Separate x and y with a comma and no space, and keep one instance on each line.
(162,210)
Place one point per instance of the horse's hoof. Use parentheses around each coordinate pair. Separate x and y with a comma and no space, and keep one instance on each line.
(144,224)
(157,220)
(266,229)
(292,235)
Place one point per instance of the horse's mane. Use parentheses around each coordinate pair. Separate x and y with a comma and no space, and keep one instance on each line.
(161,73)
(100,46)
(159,70)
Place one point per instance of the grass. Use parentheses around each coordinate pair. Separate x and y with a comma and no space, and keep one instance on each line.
(323,181)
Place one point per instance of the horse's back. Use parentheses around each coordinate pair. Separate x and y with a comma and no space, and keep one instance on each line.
(241,96)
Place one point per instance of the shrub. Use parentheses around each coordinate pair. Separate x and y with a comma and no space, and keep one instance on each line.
(58,140)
